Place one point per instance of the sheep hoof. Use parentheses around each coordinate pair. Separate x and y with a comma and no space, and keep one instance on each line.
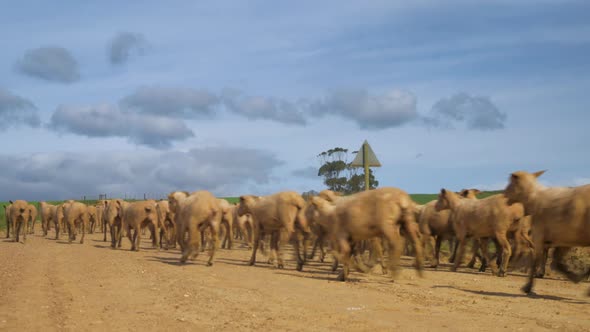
(433,266)
(528,288)
(209,263)
(251,263)
(341,276)
(299,267)
(420,273)
(280,266)
(453,269)
(501,274)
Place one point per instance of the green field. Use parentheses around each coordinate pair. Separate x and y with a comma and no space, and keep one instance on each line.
(418,198)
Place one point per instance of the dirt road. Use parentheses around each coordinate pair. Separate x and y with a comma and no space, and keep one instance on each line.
(54,286)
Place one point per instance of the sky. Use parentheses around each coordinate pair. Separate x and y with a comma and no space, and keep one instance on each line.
(239,97)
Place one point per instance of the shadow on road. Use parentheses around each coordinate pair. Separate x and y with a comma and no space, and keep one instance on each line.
(512,295)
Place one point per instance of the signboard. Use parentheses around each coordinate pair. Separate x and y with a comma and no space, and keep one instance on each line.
(365,150)
(366,158)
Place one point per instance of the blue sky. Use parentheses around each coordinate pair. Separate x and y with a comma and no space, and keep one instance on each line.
(240,97)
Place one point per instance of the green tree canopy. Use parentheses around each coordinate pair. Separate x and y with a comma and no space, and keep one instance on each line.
(339,175)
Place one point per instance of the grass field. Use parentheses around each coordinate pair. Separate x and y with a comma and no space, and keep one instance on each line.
(418,198)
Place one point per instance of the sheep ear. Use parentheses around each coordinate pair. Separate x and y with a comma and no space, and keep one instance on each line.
(443,191)
(242,199)
(11,202)
(513,176)
(539,173)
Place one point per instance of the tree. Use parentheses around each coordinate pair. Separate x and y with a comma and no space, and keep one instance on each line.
(339,175)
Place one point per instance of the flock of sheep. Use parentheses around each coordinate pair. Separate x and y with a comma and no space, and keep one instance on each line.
(524,222)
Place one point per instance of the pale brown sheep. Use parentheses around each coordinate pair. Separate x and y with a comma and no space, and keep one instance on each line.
(19,216)
(139,215)
(560,219)
(47,215)
(365,215)
(270,215)
(58,219)
(76,214)
(113,215)
(480,219)
(166,224)
(32,219)
(194,213)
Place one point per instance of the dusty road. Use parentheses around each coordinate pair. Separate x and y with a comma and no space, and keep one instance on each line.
(52,286)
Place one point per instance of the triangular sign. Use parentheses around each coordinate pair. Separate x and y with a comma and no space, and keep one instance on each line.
(371,157)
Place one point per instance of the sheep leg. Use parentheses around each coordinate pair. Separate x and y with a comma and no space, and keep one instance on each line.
(230,236)
(538,242)
(191,245)
(414,234)
(345,251)
(322,251)
(84,224)
(274,248)
(506,252)
(300,258)
(214,227)
(56,230)
(453,245)
(485,255)
(70,232)
(396,246)
(255,244)
(435,243)
(316,244)
(138,237)
(541,269)
(475,247)
(459,255)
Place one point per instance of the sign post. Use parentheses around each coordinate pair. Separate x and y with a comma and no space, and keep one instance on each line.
(366,158)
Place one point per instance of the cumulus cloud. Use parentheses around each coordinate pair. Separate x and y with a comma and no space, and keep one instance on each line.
(390,109)
(225,171)
(124,45)
(264,108)
(16,110)
(51,63)
(172,102)
(478,113)
(108,120)
(306,172)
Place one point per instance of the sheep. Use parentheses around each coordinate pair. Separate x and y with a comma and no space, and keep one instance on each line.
(560,219)
(365,215)
(137,216)
(47,215)
(76,214)
(435,225)
(481,219)
(271,214)
(19,214)
(193,213)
